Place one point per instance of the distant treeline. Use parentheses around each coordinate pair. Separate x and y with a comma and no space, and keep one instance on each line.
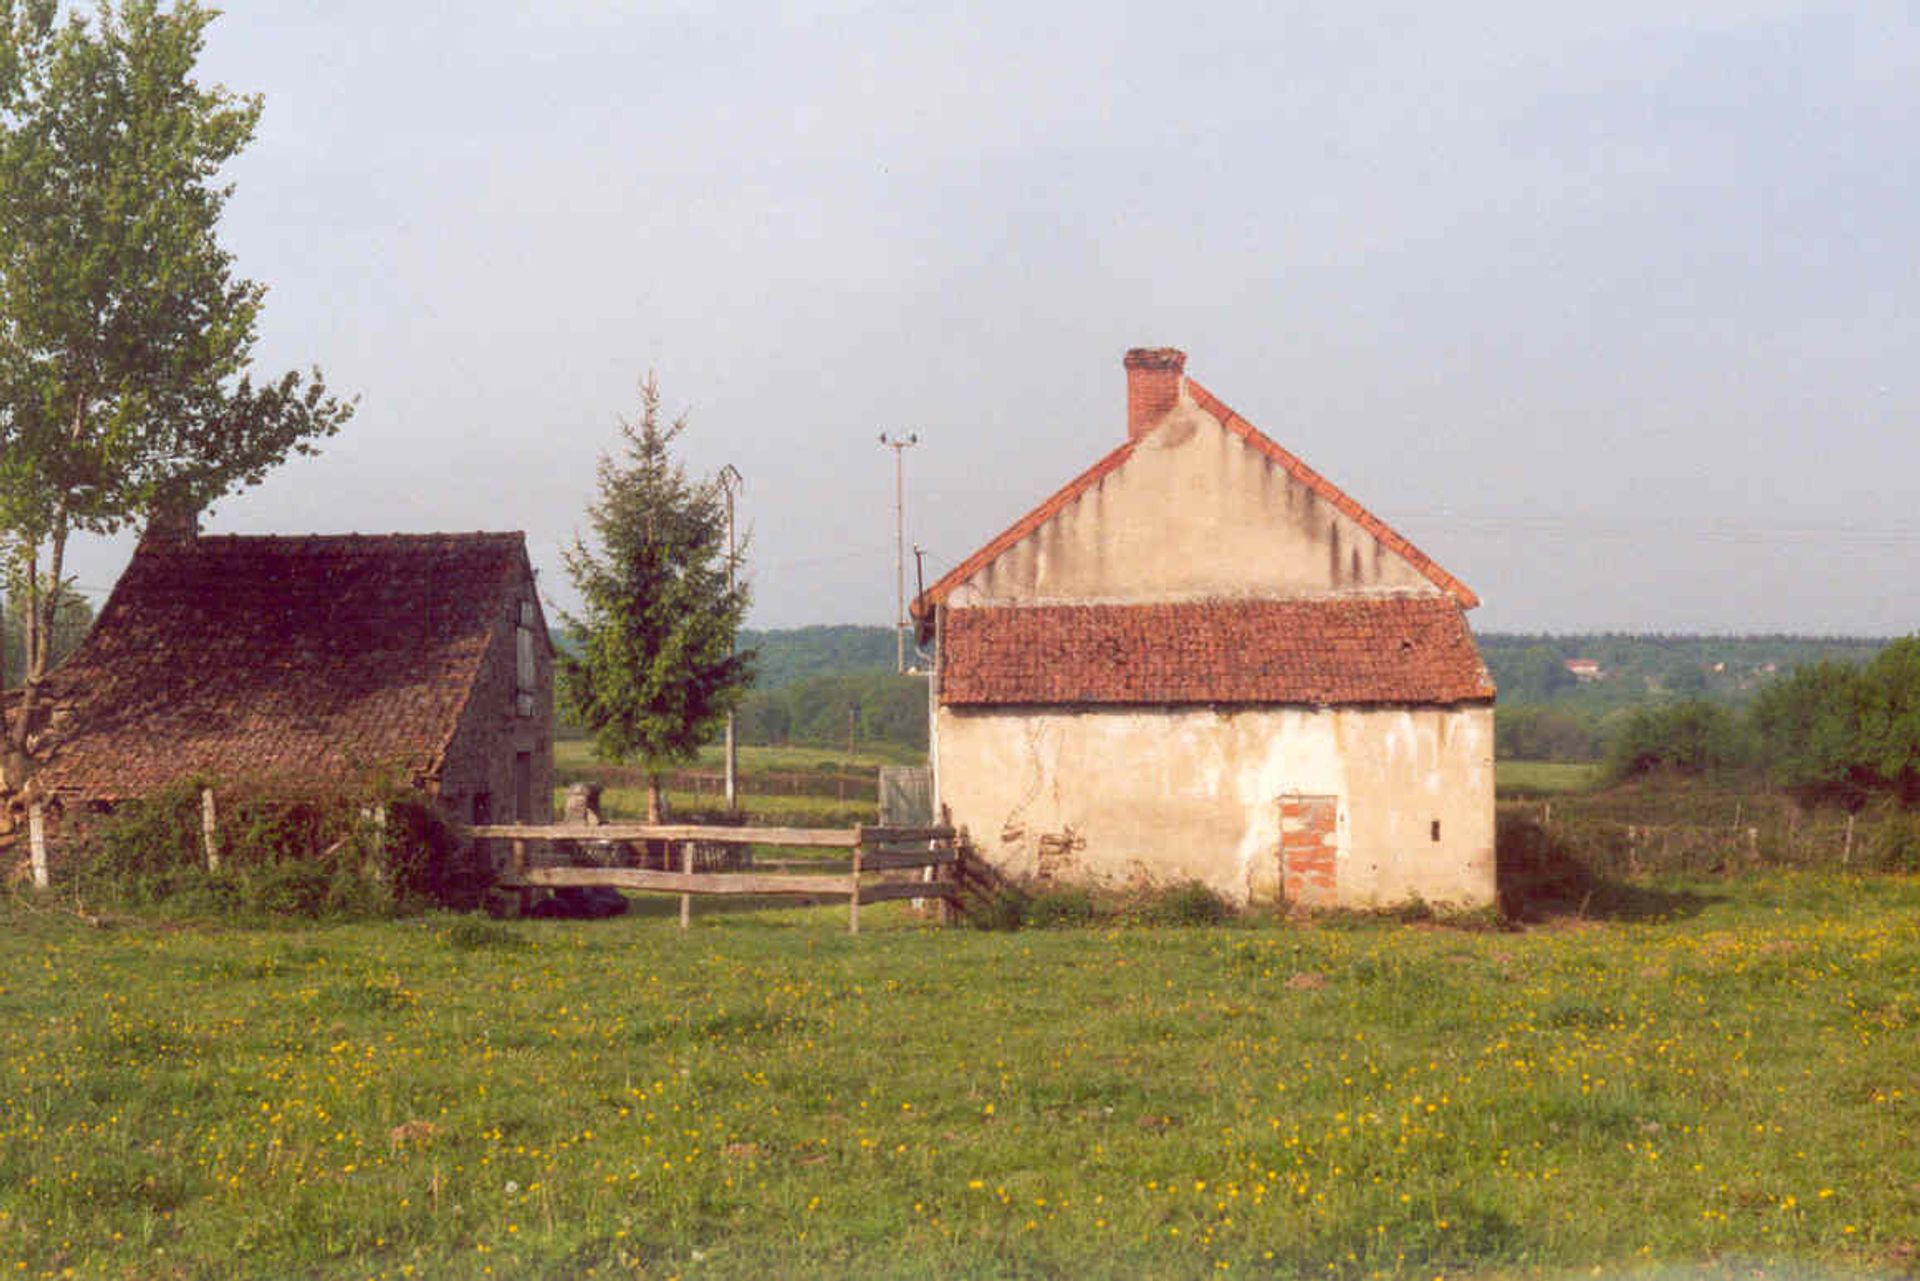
(831,685)
(1832,731)
(1532,668)
(1548,713)
(820,685)
(70,625)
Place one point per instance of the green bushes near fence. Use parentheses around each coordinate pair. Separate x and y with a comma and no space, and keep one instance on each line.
(373,853)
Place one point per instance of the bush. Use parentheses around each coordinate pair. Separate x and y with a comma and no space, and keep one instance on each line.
(1068,906)
(1693,737)
(311,857)
(1012,907)
(1894,843)
(1181,903)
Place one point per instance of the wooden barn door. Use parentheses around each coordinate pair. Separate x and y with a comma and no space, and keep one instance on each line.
(1309,845)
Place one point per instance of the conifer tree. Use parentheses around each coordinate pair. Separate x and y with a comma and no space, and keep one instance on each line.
(656,670)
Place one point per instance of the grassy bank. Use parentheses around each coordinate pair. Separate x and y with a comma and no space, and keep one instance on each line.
(445,1097)
(1544,778)
(829,804)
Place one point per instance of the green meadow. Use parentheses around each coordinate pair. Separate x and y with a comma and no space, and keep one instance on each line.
(1725,1073)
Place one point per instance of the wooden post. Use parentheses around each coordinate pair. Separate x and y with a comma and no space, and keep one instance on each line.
(853,902)
(375,817)
(1846,850)
(686,900)
(37,843)
(210,829)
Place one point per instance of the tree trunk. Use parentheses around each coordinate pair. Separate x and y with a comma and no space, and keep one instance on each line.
(656,799)
(37,633)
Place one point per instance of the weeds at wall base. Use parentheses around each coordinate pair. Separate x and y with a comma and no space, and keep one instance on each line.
(1015,907)
(372,853)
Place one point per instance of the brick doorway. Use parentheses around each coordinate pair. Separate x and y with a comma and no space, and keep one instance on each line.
(1309,841)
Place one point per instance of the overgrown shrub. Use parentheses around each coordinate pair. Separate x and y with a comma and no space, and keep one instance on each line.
(1188,902)
(1894,843)
(1693,737)
(1013,907)
(1066,906)
(374,853)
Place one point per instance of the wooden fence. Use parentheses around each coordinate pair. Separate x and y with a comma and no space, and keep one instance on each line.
(872,851)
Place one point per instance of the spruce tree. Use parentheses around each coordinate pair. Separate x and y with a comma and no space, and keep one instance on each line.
(655,670)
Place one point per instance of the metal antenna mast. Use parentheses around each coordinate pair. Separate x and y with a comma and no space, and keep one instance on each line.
(730,481)
(899,445)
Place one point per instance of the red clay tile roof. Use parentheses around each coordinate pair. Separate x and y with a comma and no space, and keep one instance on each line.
(1324,651)
(1073,489)
(291,661)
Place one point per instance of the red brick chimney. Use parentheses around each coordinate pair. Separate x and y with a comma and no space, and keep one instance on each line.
(1153,386)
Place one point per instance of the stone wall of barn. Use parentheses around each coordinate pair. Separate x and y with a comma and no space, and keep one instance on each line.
(502,753)
(1351,807)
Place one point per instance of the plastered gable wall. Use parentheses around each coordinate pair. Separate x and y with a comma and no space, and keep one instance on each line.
(1194,512)
(1154,794)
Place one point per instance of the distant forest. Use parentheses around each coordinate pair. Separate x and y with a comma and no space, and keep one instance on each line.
(816,682)
(832,685)
(1547,712)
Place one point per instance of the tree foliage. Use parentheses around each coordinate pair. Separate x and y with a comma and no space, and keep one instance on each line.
(1692,737)
(72,619)
(655,670)
(1837,732)
(876,706)
(126,337)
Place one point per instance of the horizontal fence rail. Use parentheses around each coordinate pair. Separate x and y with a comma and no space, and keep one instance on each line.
(873,850)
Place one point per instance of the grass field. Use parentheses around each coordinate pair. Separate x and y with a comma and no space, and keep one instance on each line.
(625,795)
(1543,778)
(1733,1081)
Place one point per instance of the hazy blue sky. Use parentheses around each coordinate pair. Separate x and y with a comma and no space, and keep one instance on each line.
(1610,308)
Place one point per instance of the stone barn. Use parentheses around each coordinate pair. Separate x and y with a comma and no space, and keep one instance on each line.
(296,664)
(1201,659)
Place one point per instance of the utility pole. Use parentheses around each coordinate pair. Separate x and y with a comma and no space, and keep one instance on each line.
(899,445)
(730,481)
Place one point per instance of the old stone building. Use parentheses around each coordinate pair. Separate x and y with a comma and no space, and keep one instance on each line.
(298,665)
(1201,659)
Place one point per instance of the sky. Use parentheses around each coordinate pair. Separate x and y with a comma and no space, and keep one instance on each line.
(1611,309)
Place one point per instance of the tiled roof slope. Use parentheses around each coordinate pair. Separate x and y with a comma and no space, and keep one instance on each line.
(1323,651)
(1086,480)
(296,661)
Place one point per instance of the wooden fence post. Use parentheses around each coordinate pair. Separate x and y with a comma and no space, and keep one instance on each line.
(210,829)
(853,901)
(37,843)
(686,900)
(1846,850)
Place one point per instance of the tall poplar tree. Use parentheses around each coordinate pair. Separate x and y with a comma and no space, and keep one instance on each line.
(656,669)
(125,334)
